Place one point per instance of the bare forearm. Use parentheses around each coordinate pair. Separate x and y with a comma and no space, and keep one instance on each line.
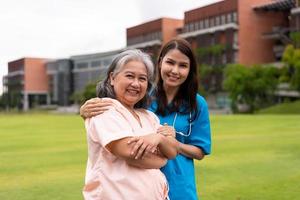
(190,151)
(122,149)
(151,161)
(168,146)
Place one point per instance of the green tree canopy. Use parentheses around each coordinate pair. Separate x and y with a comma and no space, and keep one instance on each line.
(252,86)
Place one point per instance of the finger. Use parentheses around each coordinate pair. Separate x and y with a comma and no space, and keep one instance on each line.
(153,149)
(148,149)
(163,133)
(161,130)
(105,103)
(93,100)
(166,132)
(136,147)
(133,139)
(94,113)
(145,154)
(97,109)
(141,151)
(165,127)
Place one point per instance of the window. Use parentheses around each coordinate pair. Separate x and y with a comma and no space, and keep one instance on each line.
(159,35)
(229,18)
(96,63)
(82,65)
(106,62)
(223,19)
(201,24)
(212,23)
(235,38)
(186,28)
(235,57)
(206,23)
(234,16)
(218,20)
(196,25)
(191,26)
(224,58)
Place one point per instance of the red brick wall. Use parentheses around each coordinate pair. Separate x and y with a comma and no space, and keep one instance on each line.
(169,27)
(253,49)
(16,65)
(218,8)
(35,75)
(144,28)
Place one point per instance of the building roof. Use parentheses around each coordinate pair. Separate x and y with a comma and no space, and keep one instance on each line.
(276,5)
(96,55)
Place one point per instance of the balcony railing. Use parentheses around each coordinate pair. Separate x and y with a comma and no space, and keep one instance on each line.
(145,44)
(15,73)
(210,30)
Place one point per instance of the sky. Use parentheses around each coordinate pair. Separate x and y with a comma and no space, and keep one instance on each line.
(63,28)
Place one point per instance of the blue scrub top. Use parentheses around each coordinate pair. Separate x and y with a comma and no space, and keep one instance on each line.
(180,171)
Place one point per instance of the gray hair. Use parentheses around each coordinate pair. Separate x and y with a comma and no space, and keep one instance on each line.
(104,88)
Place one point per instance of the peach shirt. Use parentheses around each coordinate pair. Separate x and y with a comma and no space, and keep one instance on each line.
(110,177)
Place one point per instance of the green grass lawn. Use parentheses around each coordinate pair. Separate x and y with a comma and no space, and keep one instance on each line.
(283,108)
(255,157)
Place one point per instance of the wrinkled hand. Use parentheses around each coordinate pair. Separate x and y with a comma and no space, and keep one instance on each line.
(167,130)
(144,145)
(94,106)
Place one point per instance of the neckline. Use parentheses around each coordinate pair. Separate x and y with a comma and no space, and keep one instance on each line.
(135,115)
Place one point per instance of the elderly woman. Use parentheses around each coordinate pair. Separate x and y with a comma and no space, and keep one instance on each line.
(113,172)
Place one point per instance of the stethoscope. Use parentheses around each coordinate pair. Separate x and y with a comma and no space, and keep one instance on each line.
(190,126)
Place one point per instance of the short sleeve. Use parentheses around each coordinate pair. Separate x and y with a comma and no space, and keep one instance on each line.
(109,126)
(154,119)
(201,134)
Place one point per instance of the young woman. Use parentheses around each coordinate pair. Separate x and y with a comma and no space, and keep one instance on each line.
(177,104)
(113,172)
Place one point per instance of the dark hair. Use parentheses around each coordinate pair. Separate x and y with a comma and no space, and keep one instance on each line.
(186,95)
(105,89)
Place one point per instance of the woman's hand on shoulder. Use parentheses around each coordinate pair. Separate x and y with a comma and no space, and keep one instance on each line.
(95,106)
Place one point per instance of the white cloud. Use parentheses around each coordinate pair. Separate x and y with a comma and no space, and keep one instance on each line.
(61,28)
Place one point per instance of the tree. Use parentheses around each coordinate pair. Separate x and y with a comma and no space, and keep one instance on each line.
(251,86)
(89,91)
(3,101)
(211,78)
(81,96)
(291,57)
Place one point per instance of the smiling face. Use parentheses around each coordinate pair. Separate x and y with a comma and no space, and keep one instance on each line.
(130,84)
(174,68)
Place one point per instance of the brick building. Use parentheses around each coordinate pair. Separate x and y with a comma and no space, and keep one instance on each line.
(149,36)
(230,31)
(27,82)
(239,31)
